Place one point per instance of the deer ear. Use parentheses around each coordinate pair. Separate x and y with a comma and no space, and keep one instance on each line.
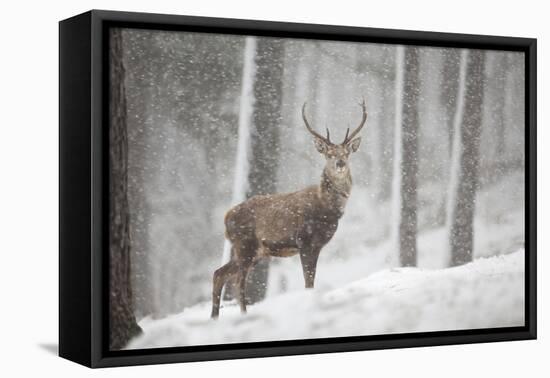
(353,146)
(320,145)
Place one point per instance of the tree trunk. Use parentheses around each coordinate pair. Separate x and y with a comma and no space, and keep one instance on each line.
(501,81)
(449,87)
(406,154)
(122,322)
(464,182)
(242,160)
(138,92)
(258,140)
(265,140)
(449,96)
(409,161)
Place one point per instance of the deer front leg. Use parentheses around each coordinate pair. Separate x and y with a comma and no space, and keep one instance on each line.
(308,258)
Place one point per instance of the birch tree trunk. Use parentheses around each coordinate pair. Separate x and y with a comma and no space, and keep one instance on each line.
(258,157)
(465,160)
(240,181)
(450,96)
(265,141)
(122,322)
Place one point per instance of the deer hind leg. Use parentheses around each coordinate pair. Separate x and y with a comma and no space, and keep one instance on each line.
(221,276)
(243,274)
(309,258)
(247,263)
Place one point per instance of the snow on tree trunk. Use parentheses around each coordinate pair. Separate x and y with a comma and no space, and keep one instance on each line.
(240,181)
(257,153)
(262,176)
(122,322)
(449,97)
(465,157)
(406,155)
(450,88)
(242,163)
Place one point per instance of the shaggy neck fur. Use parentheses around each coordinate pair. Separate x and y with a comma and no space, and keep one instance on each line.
(334,191)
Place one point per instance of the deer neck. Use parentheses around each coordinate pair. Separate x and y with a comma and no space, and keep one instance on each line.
(334,192)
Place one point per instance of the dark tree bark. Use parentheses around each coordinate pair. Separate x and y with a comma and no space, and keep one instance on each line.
(122,322)
(461,232)
(138,92)
(265,140)
(409,160)
(449,87)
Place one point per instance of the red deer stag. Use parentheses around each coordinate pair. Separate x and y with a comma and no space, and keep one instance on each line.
(282,225)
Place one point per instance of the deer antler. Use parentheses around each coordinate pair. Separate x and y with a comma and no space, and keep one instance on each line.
(347,134)
(310,129)
(349,137)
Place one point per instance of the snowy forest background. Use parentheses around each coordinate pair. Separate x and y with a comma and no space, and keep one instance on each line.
(213,119)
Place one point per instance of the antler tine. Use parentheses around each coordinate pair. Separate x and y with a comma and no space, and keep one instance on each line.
(347,133)
(363,120)
(310,129)
(328,135)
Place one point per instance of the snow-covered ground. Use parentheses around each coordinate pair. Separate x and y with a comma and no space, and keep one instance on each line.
(488,292)
(361,246)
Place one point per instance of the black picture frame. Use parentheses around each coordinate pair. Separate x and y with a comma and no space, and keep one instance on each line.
(83,195)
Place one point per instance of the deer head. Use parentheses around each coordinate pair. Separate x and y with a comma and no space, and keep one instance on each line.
(337,155)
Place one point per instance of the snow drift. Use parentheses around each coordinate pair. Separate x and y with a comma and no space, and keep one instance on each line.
(488,292)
